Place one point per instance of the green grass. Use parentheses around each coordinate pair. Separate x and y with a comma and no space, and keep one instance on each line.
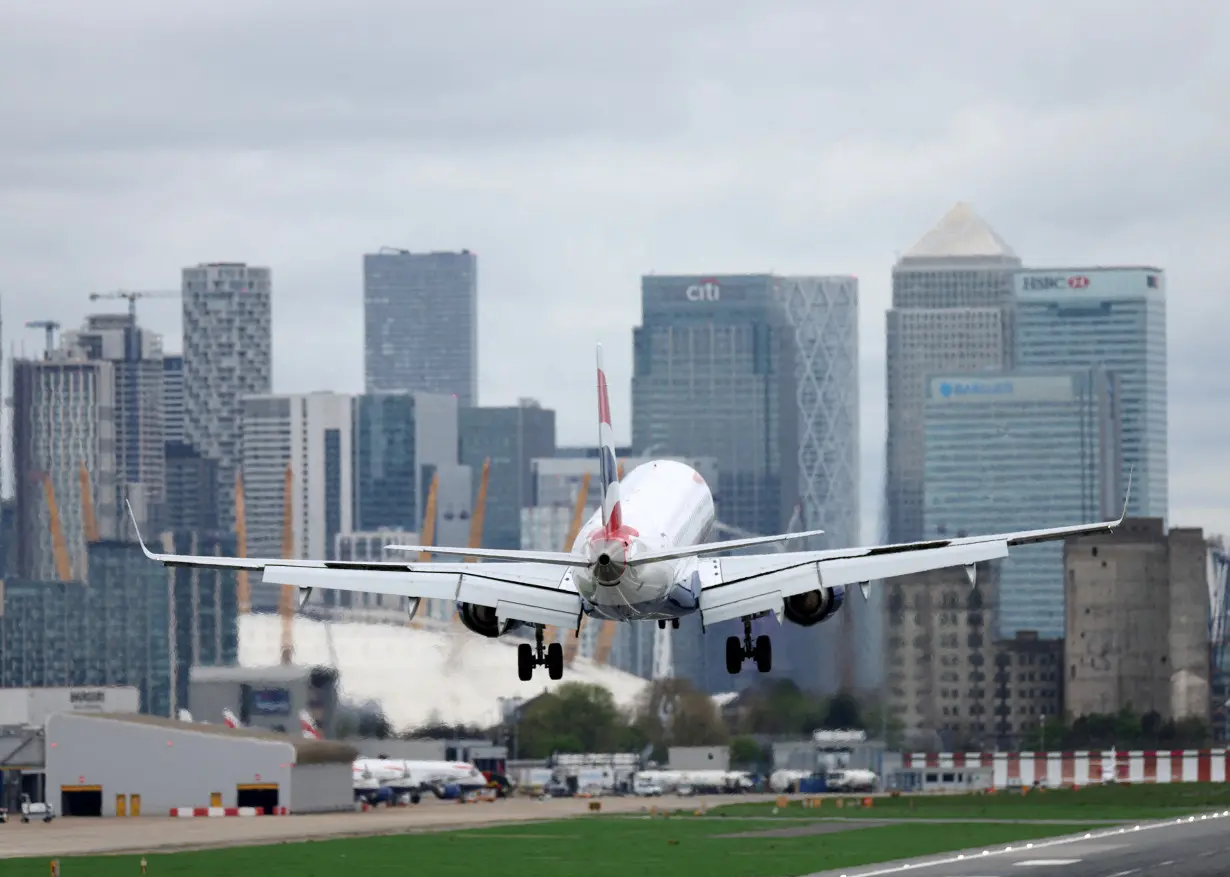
(593,846)
(1118,802)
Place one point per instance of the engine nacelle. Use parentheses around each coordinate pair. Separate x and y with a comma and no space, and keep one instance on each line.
(812,607)
(482,620)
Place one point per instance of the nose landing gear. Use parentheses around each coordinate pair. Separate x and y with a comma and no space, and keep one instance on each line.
(531,656)
(738,651)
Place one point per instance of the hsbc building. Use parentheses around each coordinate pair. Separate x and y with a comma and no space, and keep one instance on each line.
(1113,317)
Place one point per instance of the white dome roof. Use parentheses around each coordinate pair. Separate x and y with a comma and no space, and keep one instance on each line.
(419,675)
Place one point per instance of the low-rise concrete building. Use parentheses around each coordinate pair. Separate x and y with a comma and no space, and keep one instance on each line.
(128,764)
(1137,622)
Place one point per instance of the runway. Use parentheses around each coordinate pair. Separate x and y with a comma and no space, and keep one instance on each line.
(1197,846)
(84,836)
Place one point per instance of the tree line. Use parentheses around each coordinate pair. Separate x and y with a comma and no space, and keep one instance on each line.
(1126,729)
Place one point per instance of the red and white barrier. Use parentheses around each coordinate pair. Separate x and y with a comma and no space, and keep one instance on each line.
(1086,768)
(188,812)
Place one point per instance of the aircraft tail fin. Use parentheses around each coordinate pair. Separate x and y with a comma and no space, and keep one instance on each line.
(612,514)
(230,720)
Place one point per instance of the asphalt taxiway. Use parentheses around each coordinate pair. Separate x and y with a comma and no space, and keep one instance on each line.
(1195,846)
(84,836)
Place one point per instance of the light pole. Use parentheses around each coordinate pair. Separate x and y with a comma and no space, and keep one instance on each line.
(510,710)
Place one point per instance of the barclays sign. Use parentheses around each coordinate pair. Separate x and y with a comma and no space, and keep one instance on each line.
(951,389)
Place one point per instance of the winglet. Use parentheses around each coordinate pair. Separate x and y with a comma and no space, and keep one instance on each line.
(137,530)
(1127,495)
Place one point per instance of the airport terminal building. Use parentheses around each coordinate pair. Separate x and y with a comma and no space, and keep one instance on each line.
(133,765)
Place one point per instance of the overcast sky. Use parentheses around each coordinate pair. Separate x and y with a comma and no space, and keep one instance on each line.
(578,145)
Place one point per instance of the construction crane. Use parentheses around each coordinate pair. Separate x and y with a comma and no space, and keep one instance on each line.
(243,590)
(132,298)
(48,326)
(286,599)
(88,518)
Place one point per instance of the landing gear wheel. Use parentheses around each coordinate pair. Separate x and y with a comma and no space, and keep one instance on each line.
(540,655)
(734,655)
(525,662)
(764,654)
(555,661)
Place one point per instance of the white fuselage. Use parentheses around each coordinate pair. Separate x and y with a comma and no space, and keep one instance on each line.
(397,773)
(665,504)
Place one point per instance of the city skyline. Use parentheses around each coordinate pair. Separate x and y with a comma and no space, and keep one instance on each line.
(567,206)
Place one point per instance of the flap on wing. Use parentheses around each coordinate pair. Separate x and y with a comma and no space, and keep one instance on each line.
(526,592)
(760,583)
(432,586)
(850,570)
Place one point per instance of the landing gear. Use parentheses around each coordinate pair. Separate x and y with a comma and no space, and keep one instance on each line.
(738,651)
(531,656)
(662,624)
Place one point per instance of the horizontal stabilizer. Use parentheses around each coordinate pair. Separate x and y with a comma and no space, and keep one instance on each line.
(558,558)
(718,547)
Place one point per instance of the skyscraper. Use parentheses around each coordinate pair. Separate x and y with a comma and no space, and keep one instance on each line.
(310,433)
(421,323)
(228,354)
(63,422)
(716,374)
(399,440)
(173,397)
(1011,451)
(1114,318)
(511,438)
(952,312)
(139,416)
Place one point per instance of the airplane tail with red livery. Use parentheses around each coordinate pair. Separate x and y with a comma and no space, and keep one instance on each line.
(612,513)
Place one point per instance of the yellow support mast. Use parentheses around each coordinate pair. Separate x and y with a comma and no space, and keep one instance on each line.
(607,632)
(59,547)
(427,532)
(557,634)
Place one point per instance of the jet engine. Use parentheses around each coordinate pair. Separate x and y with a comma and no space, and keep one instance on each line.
(482,620)
(812,607)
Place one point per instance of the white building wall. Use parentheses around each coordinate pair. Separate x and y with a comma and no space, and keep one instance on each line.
(167,767)
(291,429)
(321,788)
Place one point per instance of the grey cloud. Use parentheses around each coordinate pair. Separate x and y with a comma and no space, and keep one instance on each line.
(575,146)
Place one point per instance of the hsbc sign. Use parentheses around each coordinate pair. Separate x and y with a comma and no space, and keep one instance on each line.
(1035,283)
(707,290)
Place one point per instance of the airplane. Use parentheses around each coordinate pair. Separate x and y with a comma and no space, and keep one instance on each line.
(402,776)
(643,555)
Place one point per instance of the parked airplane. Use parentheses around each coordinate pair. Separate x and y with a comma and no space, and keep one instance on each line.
(641,556)
(403,776)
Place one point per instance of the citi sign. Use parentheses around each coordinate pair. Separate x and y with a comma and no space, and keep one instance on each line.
(1038,284)
(706,290)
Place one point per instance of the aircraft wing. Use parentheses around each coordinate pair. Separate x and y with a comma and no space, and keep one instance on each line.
(533,592)
(734,587)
